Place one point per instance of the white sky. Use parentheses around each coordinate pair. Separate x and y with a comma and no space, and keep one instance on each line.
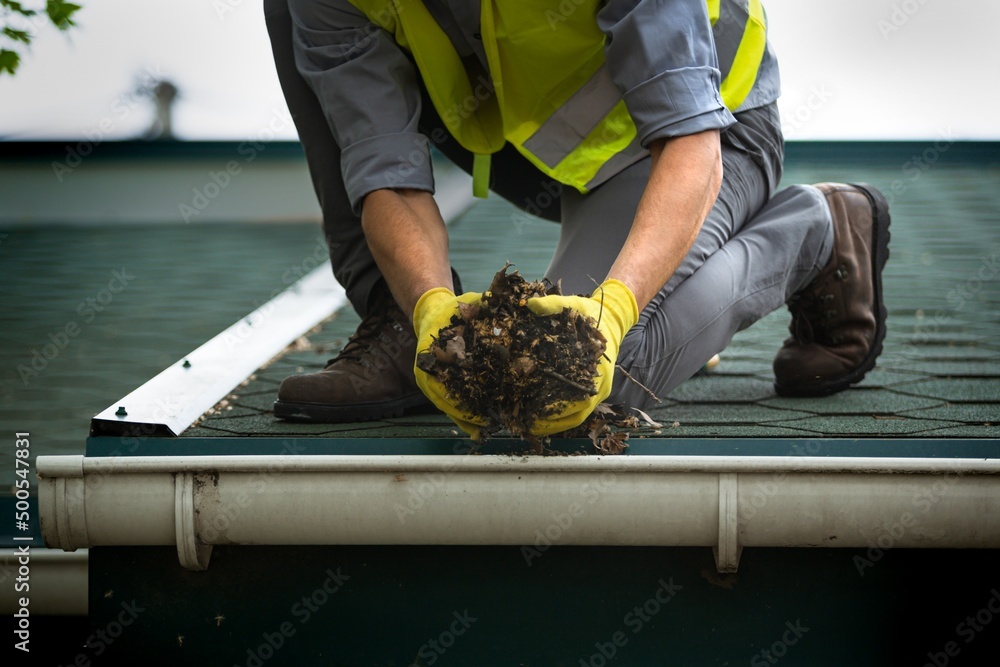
(849,71)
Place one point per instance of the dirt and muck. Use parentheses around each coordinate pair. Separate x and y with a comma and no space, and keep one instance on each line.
(511,367)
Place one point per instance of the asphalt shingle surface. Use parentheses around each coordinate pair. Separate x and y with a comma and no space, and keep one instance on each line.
(939,375)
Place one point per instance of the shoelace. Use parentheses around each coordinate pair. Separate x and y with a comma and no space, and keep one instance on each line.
(812,309)
(803,310)
(363,340)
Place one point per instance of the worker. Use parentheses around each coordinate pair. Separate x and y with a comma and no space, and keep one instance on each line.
(648,129)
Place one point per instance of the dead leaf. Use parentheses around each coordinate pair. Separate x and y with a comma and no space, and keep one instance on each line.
(647,419)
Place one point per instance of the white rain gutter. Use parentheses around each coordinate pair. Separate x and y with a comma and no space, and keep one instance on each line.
(57,582)
(726,503)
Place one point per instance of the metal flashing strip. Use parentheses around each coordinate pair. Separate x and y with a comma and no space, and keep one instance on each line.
(171,401)
(726,503)
(174,399)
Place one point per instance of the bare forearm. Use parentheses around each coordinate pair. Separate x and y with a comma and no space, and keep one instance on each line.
(684,181)
(409,241)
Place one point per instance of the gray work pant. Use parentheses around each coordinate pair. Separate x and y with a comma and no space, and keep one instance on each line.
(755,249)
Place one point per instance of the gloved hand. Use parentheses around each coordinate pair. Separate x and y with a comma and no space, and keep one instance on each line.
(613,307)
(432,313)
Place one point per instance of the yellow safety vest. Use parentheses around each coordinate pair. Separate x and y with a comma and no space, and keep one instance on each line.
(554,99)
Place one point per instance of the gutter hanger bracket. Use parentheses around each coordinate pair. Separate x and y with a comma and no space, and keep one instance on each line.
(64,490)
(728,551)
(193,555)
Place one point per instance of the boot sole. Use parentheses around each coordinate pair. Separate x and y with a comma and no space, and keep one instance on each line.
(321,413)
(880,243)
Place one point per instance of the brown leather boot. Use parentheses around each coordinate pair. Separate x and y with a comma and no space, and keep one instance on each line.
(838,320)
(371,378)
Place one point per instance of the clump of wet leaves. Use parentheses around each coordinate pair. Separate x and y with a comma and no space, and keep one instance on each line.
(502,362)
(610,425)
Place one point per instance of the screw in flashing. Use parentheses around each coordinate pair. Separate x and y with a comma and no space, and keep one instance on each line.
(121,412)
(186,364)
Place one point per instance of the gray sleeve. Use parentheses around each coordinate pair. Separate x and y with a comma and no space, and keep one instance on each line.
(369,92)
(661,55)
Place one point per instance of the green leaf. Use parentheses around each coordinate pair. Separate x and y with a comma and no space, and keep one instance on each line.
(9,60)
(17,7)
(18,35)
(60,13)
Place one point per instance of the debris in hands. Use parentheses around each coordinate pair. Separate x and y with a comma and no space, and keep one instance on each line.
(511,367)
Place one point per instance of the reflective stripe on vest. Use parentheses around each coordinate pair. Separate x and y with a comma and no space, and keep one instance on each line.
(740,31)
(553,98)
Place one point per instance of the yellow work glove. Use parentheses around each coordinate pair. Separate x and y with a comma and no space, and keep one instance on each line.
(432,313)
(613,307)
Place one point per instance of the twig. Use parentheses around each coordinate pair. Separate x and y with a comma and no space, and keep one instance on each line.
(600,313)
(590,391)
(640,385)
